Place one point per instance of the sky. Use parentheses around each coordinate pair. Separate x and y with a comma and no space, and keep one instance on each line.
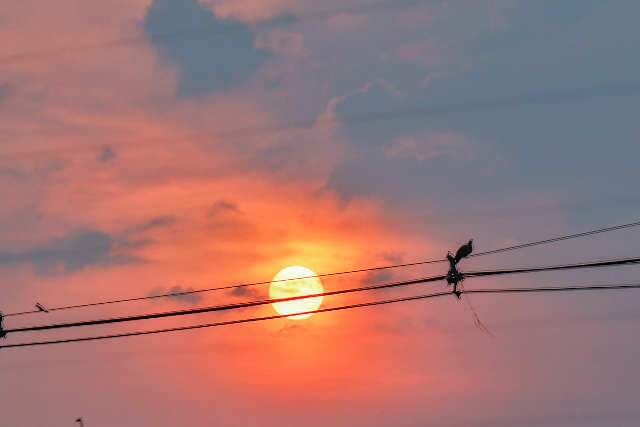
(154,146)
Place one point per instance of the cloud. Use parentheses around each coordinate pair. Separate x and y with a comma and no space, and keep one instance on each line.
(286,43)
(394,154)
(381,276)
(157,222)
(4,91)
(359,113)
(135,235)
(255,10)
(224,57)
(378,277)
(73,252)
(346,21)
(222,207)
(85,248)
(180,294)
(428,147)
(393,257)
(106,154)
(293,330)
(248,291)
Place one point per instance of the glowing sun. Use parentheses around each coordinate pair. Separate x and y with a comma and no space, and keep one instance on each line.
(281,287)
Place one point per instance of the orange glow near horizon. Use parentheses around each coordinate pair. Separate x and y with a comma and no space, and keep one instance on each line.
(305,282)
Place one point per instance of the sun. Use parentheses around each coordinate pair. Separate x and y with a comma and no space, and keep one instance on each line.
(307,283)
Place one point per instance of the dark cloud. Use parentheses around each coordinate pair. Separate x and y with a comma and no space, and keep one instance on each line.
(158,222)
(73,252)
(248,291)
(395,154)
(221,207)
(228,221)
(134,236)
(366,115)
(4,90)
(393,257)
(294,329)
(85,248)
(221,55)
(377,277)
(181,294)
(517,81)
(106,154)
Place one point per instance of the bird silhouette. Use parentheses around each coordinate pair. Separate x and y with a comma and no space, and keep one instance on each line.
(464,251)
(451,259)
(3,334)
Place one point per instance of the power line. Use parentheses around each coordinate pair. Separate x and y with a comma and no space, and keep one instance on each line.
(229,322)
(553,289)
(175,294)
(557,239)
(149,316)
(330,309)
(225,307)
(596,264)
(362,270)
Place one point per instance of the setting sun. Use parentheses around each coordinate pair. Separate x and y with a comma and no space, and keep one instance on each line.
(305,282)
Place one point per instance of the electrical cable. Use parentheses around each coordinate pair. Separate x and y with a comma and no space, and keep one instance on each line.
(330,309)
(362,270)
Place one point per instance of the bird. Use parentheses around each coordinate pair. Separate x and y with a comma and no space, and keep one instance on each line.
(41,307)
(3,334)
(451,259)
(464,251)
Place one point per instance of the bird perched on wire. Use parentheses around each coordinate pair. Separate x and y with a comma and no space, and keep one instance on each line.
(454,276)
(3,334)
(464,251)
(41,308)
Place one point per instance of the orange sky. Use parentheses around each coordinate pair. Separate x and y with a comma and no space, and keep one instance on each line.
(121,177)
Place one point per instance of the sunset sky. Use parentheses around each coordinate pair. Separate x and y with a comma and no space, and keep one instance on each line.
(155,146)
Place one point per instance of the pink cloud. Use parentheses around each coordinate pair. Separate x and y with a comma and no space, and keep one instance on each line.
(252,10)
(345,21)
(431,146)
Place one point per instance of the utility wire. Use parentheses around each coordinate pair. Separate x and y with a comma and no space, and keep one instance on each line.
(362,270)
(330,309)
(553,289)
(229,322)
(221,307)
(149,316)
(596,264)
(557,239)
(175,294)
